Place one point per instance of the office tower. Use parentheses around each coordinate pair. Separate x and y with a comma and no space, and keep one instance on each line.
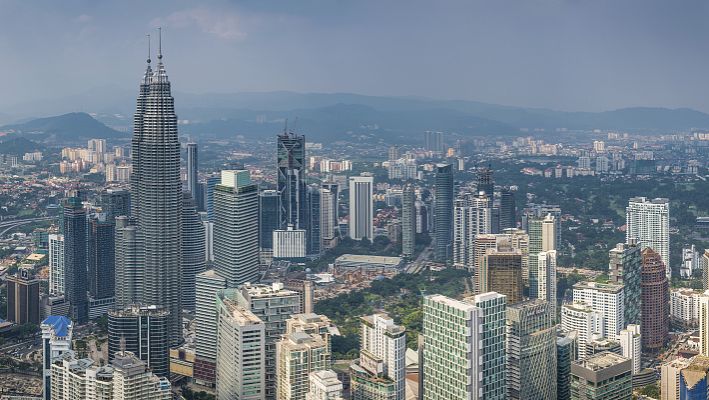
(193,251)
(583,319)
(648,222)
(515,239)
(192,171)
(565,354)
(380,372)
(273,305)
(101,257)
(694,379)
(464,347)
(298,354)
(289,244)
(408,221)
(56,264)
(433,142)
(608,299)
(443,218)
(361,207)
(334,189)
(23,298)
(600,377)
(655,299)
(145,332)
(208,190)
(542,237)
(236,228)
(625,268)
(531,351)
(669,378)
(291,179)
(472,216)
(208,283)
(631,344)
(269,220)
(324,385)
(129,263)
(313,220)
(240,352)
(114,203)
(508,209)
(328,218)
(56,340)
(75,240)
(208,239)
(539,211)
(156,194)
(501,272)
(485,183)
(546,279)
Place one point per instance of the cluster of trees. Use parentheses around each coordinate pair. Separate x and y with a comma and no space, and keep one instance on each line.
(399,296)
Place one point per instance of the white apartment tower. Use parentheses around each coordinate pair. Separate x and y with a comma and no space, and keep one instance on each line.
(546,282)
(608,300)
(324,385)
(630,342)
(361,223)
(649,223)
(56,264)
(472,216)
(581,318)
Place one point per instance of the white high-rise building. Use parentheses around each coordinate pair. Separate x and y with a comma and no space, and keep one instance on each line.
(56,264)
(297,355)
(472,216)
(608,300)
(648,221)
(543,236)
(704,324)
(361,223)
(56,340)
(208,283)
(324,385)
(669,378)
(464,347)
(289,243)
(587,323)
(328,218)
(684,306)
(546,282)
(241,351)
(630,343)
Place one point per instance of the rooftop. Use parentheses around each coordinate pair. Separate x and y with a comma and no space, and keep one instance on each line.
(362,258)
(601,361)
(59,324)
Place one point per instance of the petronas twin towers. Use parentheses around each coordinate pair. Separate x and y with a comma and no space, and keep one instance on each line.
(157,194)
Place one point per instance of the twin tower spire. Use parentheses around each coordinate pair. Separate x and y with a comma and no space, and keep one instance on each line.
(160,74)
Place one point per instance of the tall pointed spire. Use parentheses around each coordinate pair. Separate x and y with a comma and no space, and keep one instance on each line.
(148,35)
(160,75)
(159,43)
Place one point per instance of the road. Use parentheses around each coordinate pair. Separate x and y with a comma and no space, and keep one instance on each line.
(7,226)
(416,266)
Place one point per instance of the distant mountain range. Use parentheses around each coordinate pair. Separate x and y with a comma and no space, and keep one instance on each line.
(331,117)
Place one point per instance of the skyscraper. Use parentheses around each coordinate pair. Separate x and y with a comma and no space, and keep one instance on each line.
(443,236)
(23,298)
(631,343)
(299,354)
(193,249)
(602,376)
(472,216)
(269,219)
(433,142)
(328,218)
(531,351)
(156,193)
(75,251)
(485,183)
(648,222)
(542,237)
(546,280)
(130,265)
(101,254)
(655,298)
(361,207)
(508,209)
(582,318)
(313,221)
(56,264)
(565,354)
(608,299)
(56,340)
(144,331)
(236,251)
(501,272)
(208,284)
(408,221)
(291,179)
(192,170)
(625,265)
(464,348)
(114,203)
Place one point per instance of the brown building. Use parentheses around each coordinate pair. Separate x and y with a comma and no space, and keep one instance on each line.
(501,272)
(655,302)
(23,298)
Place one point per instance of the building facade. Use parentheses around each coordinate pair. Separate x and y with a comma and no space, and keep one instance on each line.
(648,222)
(143,331)
(655,302)
(361,207)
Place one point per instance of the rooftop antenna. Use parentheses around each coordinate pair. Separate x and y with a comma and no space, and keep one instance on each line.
(285,128)
(295,125)
(159,43)
(148,35)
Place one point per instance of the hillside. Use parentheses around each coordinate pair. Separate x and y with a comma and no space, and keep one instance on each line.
(62,128)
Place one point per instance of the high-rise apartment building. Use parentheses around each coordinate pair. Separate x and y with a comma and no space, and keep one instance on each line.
(144,331)
(380,372)
(129,263)
(297,355)
(361,207)
(600,377)
(192,172)
(240,351)
(433,142)
(101,257)
(291,179)
(648,223)
(56,264)
(408,221)
(208,284)
(156,194)
(546,279)
(193,250)
(608,299)
(655,301)
(631,344)
(324,385)
(236,250)
(443,215)
(56,340)
(464,347)
(75,251)
(542,237)
(539,211)
(531,351)
(472,216)
(669,378)
(625,267)
(582,318)
(501,272)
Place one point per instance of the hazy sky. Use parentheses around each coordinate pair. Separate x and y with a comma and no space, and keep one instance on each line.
(561,54)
